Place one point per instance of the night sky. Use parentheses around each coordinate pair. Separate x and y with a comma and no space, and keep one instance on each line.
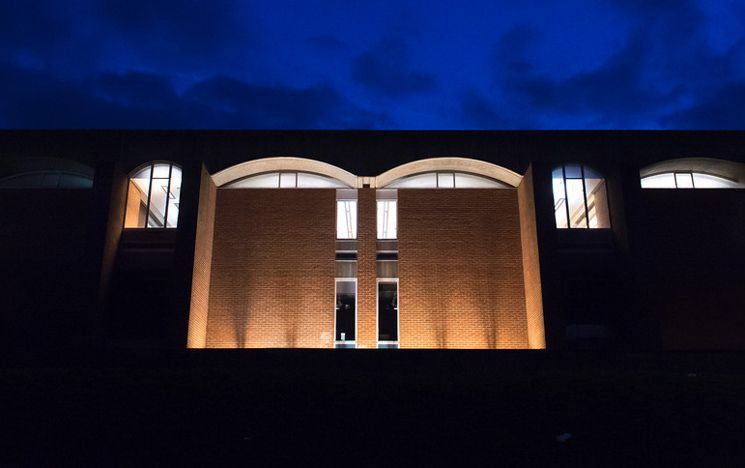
(579,64)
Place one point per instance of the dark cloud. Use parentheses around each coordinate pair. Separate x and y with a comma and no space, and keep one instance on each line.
(480,113)
(194,33)
(665,64)
(722,110)
(386,70)
(282,107)
(139,100)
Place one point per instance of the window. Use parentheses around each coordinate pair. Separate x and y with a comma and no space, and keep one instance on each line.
(346,313)
(387,214)
(445,180)
(686,179)
(388,313)
(153,197)
(47,179)
(346,214)
(286,180)
(580,199)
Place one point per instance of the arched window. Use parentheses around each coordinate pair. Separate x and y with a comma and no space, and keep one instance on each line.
(580,199)
(686,179)
(45,173)
(693,173)
(445,180)
(286,179)
(153,196)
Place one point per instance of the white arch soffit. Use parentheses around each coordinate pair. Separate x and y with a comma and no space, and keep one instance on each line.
(450,164)
(718,167)
(283,163)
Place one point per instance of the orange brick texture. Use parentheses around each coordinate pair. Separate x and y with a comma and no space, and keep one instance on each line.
(272,279)
(366,269)
(200,285)
(460,267)
(531,265)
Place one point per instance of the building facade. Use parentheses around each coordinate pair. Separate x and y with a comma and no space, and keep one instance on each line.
(441,240)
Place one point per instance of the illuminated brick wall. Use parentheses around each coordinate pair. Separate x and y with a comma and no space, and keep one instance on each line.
(366,269)
(272,280)
(460,269)
(200,287)
(531,266)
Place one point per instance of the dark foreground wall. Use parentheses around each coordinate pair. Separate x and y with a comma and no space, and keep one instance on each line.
(691,266)
(46,293)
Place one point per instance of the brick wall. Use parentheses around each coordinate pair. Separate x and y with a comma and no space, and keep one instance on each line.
(531,264)
(272,279)
(366,269)
(460,269)
(198,311)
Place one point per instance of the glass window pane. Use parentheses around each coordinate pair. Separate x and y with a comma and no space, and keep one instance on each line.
(684,180)
(597,203)
(306,180)
(158,200)
(473,181)
(710,181)
(387,311)
(269,180)
(174,197)
(137,195)
(160,171)
(445,180)
(346,268)
(573,171)
(346,307)
(576,203)
(659,181)
(287,180)
(560,205)
(346,219)
(428,180)
(387,268)
(387,219)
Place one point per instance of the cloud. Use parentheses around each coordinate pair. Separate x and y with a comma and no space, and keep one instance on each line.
(722,110)
(281,106)
(386,70)
(35,99)
(665,67)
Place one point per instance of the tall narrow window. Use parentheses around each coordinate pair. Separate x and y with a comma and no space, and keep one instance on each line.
(580,198)
(387,217)
(346,214)
(346,313)
(153,197)
(388,313)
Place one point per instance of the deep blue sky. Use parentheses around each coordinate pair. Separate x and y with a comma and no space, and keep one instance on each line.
(529,64)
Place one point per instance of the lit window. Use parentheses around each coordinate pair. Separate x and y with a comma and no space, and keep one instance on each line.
(445,180)
(286,180)
(686,179)
(580,199)
(388,313)
(346,313)
(346,219)
(387,214)
(153,197)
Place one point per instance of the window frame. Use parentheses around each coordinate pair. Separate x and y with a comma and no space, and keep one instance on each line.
(130,176)
(586,204)
(692,174)
(356,312)
(387,344)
